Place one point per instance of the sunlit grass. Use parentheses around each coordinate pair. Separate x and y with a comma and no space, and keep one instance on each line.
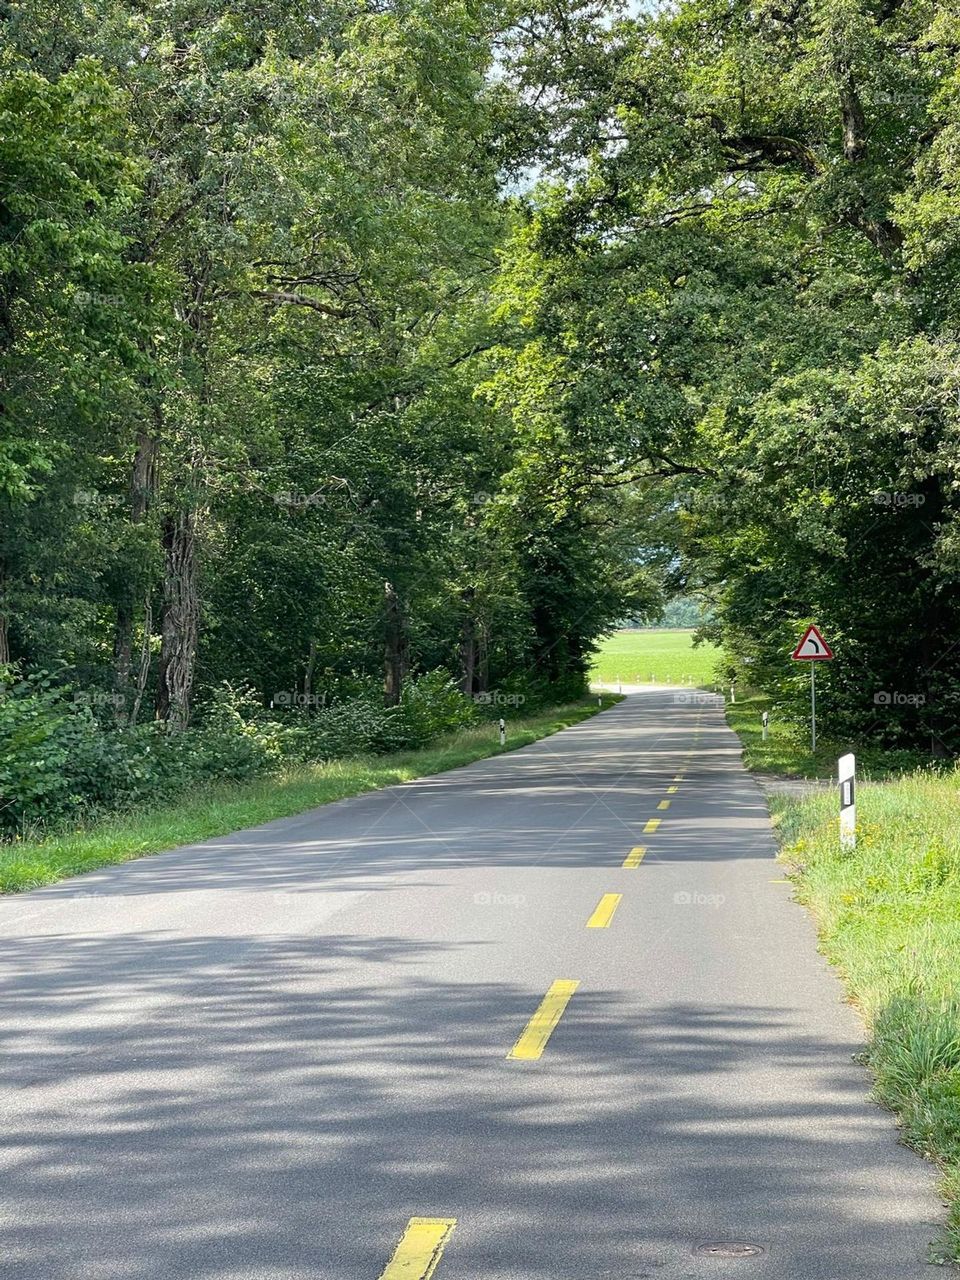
(669,657)
(889,917)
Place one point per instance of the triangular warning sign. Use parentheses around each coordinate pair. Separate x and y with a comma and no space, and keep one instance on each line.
(813,647)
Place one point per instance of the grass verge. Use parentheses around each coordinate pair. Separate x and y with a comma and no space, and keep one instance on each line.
(787,749)
(787,753)
(889,918)
(220,809)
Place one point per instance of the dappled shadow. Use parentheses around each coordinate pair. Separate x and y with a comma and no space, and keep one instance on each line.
(255,1059)
(288,1106)
(574,800)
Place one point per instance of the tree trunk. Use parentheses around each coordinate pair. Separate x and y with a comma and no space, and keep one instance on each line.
(483,657)
(468,644)
(308,675)
(393,646)
(142,485)
(179,619)
(144,657)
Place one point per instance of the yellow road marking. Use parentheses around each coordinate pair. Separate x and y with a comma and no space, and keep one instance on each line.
(604,911)
(672,791)
(651,825)
(419,1250)
(678,777)
(533,1039)
(635,856)
(664,804)
(779,882)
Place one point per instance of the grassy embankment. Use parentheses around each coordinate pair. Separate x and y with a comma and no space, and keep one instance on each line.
(889,918)
(220,809)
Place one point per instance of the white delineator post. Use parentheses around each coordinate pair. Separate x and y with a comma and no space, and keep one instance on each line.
(503,732)
(766,722)
(847,775)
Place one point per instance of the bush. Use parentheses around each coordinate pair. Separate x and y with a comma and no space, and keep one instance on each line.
(57,761)
(38,736)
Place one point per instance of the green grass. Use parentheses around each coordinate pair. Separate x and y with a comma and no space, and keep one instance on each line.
(889,918)
(787,750)
(669,656)
(221,809)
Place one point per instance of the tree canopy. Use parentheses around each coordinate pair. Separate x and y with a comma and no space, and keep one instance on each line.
(340,345)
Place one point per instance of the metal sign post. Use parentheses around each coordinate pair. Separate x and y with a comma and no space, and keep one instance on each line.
(813,648)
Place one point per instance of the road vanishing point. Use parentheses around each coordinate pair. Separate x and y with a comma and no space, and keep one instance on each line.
(551,1016)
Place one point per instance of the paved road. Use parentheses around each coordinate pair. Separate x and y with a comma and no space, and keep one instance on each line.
(259,1058)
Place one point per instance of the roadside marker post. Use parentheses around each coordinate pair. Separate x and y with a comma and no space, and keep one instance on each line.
(733,694)
(766,722)
(503,732)
(847,777)
(813,648)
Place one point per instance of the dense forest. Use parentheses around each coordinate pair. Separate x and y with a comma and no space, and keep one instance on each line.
(385,354)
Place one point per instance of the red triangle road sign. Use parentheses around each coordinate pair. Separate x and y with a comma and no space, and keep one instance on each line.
(813,647)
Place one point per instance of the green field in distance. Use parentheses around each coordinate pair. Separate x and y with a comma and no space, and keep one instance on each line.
(668,656)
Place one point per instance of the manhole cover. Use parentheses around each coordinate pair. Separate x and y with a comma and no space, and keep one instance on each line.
(728,1249)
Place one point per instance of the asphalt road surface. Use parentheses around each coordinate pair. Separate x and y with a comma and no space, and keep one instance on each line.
(570,1032)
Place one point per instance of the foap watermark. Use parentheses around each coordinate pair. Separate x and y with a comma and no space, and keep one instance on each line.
(91,498)
(486,899)
(899,499)
(897,698)
(482,499)
(697,699)
(497,698)
(294,500)
(91,298)
(98,698)
(295,698)
(685,899)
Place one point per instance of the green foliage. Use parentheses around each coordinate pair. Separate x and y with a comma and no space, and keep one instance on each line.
(736,289)
(246,336)
(57,761)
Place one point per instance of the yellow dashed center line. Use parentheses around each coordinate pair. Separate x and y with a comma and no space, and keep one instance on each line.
(635,856)
(651,825)
(664,804)
(419,1250)
(533,1039)
(604,911)
(672,791)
